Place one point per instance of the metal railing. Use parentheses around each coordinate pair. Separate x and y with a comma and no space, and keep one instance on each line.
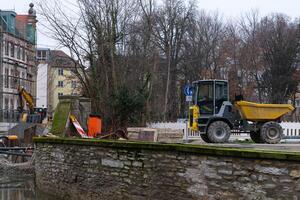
(13,116)
(7,115)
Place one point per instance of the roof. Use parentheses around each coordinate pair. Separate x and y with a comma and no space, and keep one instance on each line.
(42,49)
(20,26)
(60,59)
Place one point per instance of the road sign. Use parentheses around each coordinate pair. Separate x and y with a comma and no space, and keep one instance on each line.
(188,90)
(188,98)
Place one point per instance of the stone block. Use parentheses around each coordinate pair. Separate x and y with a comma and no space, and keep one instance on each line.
(94,162)
(240,173)
(269,186)
(225,171)
(112,163)
(295,173)
(212,175)
(297,188)
(142,134)
(271,170)
(244,179)
(137,164)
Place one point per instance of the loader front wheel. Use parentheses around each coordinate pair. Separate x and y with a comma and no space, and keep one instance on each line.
(271,133)
(255,136)
(218,132)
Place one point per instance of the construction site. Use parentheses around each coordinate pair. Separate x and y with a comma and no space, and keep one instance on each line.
(37,145)
(152,101)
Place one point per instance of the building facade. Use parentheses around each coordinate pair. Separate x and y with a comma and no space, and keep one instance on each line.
(17,62)
(55,78)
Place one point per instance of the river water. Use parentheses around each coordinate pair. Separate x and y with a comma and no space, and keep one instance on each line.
(20,187)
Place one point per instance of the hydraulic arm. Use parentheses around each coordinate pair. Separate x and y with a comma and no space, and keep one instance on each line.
(23,94)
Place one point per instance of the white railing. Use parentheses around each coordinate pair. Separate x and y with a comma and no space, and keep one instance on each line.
(167,125)
(291,130)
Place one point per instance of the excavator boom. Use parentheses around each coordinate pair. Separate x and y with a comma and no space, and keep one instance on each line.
(23,94)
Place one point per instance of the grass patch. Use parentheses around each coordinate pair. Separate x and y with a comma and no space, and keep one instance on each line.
(60,118)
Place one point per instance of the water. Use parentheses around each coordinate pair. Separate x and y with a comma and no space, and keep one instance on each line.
(16,187)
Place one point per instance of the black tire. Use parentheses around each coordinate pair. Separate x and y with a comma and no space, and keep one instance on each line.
(255,136)
(218,132)
(205,138)
(271,133)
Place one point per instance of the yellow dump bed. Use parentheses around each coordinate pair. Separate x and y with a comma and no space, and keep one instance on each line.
(262,112)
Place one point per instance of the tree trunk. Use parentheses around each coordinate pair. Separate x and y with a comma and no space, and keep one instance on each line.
(167,84)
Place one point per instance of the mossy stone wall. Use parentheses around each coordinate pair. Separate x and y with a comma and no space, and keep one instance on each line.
(97,169)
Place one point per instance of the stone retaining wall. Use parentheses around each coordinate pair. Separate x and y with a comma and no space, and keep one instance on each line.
(82,169)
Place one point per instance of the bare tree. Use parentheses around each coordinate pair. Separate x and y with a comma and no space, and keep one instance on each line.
(279,38)
(169,29)
(251,53)
(95,44)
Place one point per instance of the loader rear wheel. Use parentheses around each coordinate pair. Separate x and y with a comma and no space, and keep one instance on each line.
(271,133)
(205,138)
(255,136)
(218,132)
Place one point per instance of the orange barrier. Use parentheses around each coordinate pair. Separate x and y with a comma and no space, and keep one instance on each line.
(94,125)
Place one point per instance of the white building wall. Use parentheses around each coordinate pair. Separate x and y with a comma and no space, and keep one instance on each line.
(42,85)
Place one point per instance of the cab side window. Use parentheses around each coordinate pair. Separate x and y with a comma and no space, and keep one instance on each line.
(221,95)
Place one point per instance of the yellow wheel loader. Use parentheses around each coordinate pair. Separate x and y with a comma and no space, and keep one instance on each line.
(214,116)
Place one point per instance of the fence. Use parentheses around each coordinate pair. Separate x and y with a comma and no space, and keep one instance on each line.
(291,130)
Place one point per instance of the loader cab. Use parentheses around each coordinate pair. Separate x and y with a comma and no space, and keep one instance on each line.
(209,96)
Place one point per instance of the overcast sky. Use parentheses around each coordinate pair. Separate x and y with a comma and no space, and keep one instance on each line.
(229,9)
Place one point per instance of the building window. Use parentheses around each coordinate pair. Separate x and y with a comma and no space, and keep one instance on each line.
(18,52)
(73,84)
(6,104)
(42,55)
(12,106)
(6,81)
(12,50)
(14,78)
(297,103)
(6,48)
(60,94)
(22,81)
(23,54)
(61,72)
(39,54)
(60,84)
